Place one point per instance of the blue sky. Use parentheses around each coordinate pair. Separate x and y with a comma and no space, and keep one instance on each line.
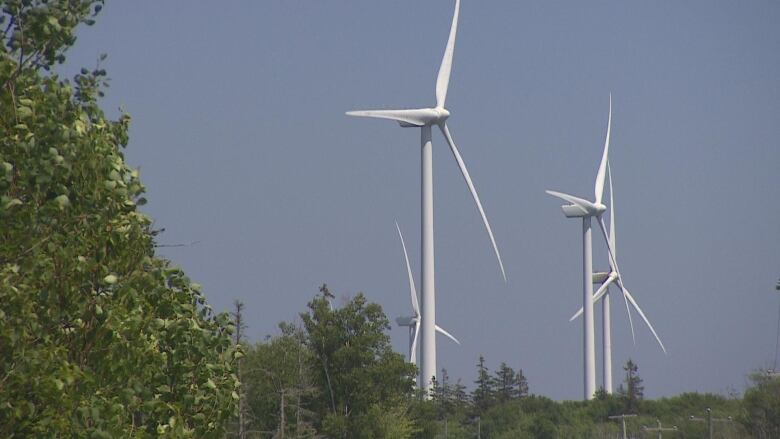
(240,135)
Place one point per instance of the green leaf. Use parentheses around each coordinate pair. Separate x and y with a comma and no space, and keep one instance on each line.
(24,112)
(62,201)
(110,279)
(11,203)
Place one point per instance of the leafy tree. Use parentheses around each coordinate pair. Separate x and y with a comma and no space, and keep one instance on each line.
(761,414)
(356,368)
(98,336)
(633,392)
(277,376)
(238,339)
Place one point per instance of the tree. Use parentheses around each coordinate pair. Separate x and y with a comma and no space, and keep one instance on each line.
(277,376)
(356,368)
(507,386)
(238,322)
(762,407)
(522,384)
(510,384)
(633,392)
(484,394)
(98,336)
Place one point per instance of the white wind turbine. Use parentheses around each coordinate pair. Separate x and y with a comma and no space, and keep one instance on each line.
(580,208)
(604,280)
(425,119)
(413,322)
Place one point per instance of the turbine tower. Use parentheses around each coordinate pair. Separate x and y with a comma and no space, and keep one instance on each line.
(413,322)
(425,119)
(581,208)
(604,280)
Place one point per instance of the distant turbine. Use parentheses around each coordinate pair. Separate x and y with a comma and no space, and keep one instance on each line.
(425,118)
(413,322)
(580,208)
(605,280)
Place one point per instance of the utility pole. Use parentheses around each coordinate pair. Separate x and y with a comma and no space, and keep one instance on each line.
(479,426)
(710,421)
(660,429)
(773,373)
(623,419)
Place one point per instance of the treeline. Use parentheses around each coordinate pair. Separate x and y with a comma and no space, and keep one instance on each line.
(334,375)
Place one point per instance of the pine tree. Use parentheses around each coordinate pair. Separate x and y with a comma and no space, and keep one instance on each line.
(522,384)
(484,394)
(633,392)
(506,383)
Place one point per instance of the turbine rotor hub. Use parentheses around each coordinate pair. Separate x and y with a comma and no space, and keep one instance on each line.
(443,114)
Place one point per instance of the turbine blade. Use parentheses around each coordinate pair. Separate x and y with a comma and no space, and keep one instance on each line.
(611,211)
(413,356)
(628,312)
(579,202)
(447,334)
(642,314)
(410,117)
(443,80)
(610,250)
(599,189)
(446,131)
(613,264)
(412,289)
(603,290)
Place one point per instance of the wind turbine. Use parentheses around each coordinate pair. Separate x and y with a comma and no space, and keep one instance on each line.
(581,208)
(604,280)
(425,119)
(413,322)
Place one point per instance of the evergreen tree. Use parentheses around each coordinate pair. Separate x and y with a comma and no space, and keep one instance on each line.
(506,383)
(522,384)
(484,394)
(633,392)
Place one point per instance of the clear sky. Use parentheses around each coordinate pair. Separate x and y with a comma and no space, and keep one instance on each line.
(240,134)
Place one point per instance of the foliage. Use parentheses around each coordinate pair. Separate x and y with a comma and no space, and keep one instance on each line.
(277,381)
(761,414)
(633,391)
(336,375)
(355,365)
(484,393)
(510,384)
(98,337)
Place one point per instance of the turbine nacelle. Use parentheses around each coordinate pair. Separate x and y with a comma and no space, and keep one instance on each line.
(579,207)
(413,118)
(406,321)
(599,278)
